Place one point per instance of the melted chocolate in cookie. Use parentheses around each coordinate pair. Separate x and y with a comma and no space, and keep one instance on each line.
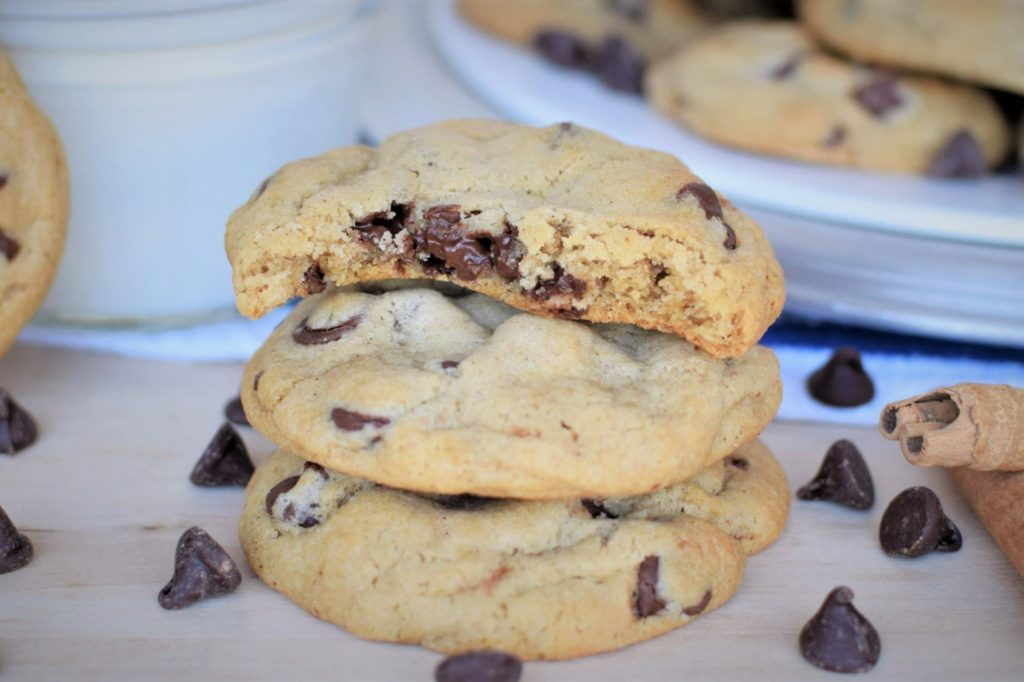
(712,207)
(305,336)
(646,601)
(960,157)
(880,96)
(9,247)
(347,420)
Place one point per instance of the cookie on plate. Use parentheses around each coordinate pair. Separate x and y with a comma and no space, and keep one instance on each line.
(559,221)
(764,86)
(977,41)
(424,392)
(33,204)
(553,579)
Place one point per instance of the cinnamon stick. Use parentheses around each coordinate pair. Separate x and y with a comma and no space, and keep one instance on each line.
(998,500)
(978,426)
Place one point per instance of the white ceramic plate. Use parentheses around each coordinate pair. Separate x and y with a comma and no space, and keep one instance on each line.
(525,88)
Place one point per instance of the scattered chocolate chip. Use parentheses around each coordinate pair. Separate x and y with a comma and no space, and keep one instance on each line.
(479,666)
(201,569)
(738,462)
(699,607)
(646,601)
(313,281)
(842,381)
(449,364)
(234,412)
(786,69)
(879,96)
(561,283)
(708,200)
(619,66)
(278,490)
(914,524)
(15,548)
(838,638)
(836,136)
(8,246)
(960,157)
(354,421)
(465,502)
(843,478)
(597,509)
(634,10)
(17,428)
(224,462)
(305,336)
(562,48)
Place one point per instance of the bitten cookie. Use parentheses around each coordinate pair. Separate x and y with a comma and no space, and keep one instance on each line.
(765,87)
(33,204)
(422,392)
(535,579)
(976,40)
(559,221)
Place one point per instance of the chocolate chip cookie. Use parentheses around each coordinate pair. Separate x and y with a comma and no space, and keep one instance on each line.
(420,391)
(559,221)
(552,579)
(977,41)
(764,86)
(33,204)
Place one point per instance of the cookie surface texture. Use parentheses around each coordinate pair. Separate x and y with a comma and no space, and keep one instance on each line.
(551,579)
(559,221)
(800,102)
(33,204)
(426,392)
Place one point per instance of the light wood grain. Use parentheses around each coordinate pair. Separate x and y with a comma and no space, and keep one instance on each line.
(105,494)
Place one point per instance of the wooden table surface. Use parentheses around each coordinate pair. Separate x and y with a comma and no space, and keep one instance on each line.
(104,496)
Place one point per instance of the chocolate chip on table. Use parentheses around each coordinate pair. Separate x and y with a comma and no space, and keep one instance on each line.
(646,601)
(619,66)
(597,509)
(234,412)
(479,666)
(843,478)
(914,524)
(711,206)
(8,246)
(17,428)
(838,638)
(347,420)
(562,48)
(224,462)
(960,157)
(202,569)
(880,95)
(305,336)
(15,548)
(842,381)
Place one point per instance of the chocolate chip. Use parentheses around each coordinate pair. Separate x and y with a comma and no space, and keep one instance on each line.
(506,252)
(646,601)
(463,502)
(835,136)
(17,428)
(449,364)
(879,96)
(914,524)
(619,66)
(8,246)
(562,48)
(960,157)
(3,180)
(712,207)
(838,638)
(738,462)
(597,509)
(234,412)
(442,236)
(634,10)
(479,666)
(278,490)
(561,283)
(842,381)
(305,336)
(313,280)
(318,468)
(15,548)
(256,381)
(375,225)
(201,569)
(786,69)
(354,421)
(224,462)
(843,478)
(699,607)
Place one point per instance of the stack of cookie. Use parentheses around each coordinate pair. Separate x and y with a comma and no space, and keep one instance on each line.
(541,438)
